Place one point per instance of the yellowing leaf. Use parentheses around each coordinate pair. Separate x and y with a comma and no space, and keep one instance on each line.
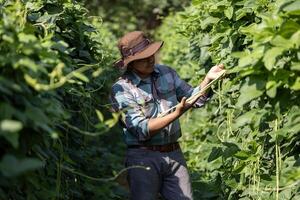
(100,115)
(11,126)
(111,122)
(81,76)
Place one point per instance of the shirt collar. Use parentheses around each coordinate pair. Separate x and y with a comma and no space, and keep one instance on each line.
(136,80)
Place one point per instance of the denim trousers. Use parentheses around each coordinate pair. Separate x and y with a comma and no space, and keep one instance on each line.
(167,175)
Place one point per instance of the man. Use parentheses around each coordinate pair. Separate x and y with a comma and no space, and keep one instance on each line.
(141,93)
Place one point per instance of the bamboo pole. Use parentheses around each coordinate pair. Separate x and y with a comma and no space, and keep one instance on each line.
(194,97)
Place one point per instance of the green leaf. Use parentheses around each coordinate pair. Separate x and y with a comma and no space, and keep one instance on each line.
(26,38)
(208,21)
(239,168)
(84,54)
(271,88)
(295,66)
(242,155)
(240,13)
(8,38)
(294,128)
(280,41)
(293,8)
(229,12)
(60,46)
(215,153)
(252,57)
(10,166)
(244,119)
(250,90)
(12,137)
(270,57)
(196,2)
(288,28)
(231,149)
(295,40)
(296,85)
(37,115)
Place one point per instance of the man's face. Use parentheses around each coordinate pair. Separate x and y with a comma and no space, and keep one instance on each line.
(144,67)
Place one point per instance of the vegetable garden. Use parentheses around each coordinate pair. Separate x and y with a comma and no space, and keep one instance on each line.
(59,140)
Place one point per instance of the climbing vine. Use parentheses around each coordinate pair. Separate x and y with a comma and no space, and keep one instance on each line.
(245,143)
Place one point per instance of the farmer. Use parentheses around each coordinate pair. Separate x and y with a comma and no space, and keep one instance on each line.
(143,91)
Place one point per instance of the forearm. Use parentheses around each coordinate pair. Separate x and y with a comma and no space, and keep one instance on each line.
(156,124)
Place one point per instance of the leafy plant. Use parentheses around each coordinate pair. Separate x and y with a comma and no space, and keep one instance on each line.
(251,126)
(55,70)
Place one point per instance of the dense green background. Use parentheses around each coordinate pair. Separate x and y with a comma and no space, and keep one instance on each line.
(59,139)
(245,143)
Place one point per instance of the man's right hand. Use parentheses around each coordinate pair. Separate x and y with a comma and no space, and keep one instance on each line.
(156,124)
(183,106)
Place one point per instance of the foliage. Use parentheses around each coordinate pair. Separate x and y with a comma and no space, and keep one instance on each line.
(245,143)
(55,73)
(175,51)
(121,16)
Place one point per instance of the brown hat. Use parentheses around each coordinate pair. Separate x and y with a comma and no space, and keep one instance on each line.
(134,46)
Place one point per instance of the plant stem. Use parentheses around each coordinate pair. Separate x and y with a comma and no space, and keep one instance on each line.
(277,160)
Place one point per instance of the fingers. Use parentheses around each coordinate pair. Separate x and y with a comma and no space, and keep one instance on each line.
(186,104)
(181,106)
(221,72)
(183,101)
(218,67)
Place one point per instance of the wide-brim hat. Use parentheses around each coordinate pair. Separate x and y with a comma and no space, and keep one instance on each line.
(134,46)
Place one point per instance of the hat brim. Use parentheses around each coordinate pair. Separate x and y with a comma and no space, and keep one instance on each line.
(147,52)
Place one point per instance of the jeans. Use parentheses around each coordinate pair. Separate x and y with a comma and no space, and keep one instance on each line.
(168,175)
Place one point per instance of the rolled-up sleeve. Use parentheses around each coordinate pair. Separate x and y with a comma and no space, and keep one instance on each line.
(183,89)
(135,121)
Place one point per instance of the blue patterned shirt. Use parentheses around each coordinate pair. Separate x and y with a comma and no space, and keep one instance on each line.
(142,99)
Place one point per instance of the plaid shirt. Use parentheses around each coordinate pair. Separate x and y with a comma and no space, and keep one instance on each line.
(142,99)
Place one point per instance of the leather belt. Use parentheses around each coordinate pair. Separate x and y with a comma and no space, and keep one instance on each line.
(161,148)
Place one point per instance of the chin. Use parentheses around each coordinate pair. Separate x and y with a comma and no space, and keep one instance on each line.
(150,71)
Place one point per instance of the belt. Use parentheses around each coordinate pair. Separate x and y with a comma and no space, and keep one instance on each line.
(161,148)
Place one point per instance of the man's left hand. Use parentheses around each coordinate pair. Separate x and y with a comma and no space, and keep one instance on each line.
(215,72)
